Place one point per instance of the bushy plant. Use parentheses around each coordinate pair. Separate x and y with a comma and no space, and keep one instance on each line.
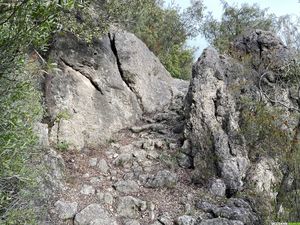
(25,26)
(265,130)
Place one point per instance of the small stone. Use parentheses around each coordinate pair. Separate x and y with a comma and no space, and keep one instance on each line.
(94,214)
(130,207)
(113,172)
(185,220)
(87,190)
(159,144)
(151,208)
(108,198)
(184,161)
(187,208)
(66,210)
(140,155)
(152,155)
(186,147)
(95,180)
(165,219)
(163,178)
(218,187)
(148,145)
(86,175)
(173,146)
(123,159)
(102,165)
(105,197)
(115,145)
(132,222)
(126,186)
(93,162)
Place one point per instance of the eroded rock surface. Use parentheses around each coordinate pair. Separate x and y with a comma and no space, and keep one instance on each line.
(103,87)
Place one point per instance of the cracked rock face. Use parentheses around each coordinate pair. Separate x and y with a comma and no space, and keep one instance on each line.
(102,88)
(142,72)
(212,126)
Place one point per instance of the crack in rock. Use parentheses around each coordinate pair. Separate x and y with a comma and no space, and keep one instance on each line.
(112,39)
(94,83)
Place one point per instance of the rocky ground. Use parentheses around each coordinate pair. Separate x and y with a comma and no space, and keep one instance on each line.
(141,176)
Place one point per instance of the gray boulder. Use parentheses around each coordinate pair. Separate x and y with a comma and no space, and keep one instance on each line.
(185,220)
(126,186)
(163,178)
(130,207)
(265,48)
(94,214)
(87,99)
(66,210)
(103,87)
(234,209)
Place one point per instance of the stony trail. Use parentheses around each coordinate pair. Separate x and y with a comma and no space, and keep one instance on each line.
(135,178)
(147,149)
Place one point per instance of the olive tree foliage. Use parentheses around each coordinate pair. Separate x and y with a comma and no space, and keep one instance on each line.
(235,20)
(164,30)
(26,26)
(288,28)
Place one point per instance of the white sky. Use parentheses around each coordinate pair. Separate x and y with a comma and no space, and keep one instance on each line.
(278,7)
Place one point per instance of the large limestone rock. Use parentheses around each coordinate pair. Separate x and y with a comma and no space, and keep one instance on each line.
(213,104)
(212,125)
(87,100)
(103,87)
(142,71)
(219,88)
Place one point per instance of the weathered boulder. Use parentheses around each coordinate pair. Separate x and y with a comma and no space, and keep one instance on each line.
(162,179)
(142,71)
(219,86)
(235,209)
(130,207)
(94,214)
(263,176)
(103,87)
(213,121)
(66,210)
(87,99)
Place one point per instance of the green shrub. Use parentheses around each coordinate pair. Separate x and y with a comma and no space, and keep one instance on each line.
(20,109)
(262,127)
(63,145)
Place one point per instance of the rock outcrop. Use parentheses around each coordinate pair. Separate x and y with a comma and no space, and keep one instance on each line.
(212,127)
(144,148)
(214,138)
(103,87)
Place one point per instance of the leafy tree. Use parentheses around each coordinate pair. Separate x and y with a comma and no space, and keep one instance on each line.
(288,28)
(27,26)
(235,20)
